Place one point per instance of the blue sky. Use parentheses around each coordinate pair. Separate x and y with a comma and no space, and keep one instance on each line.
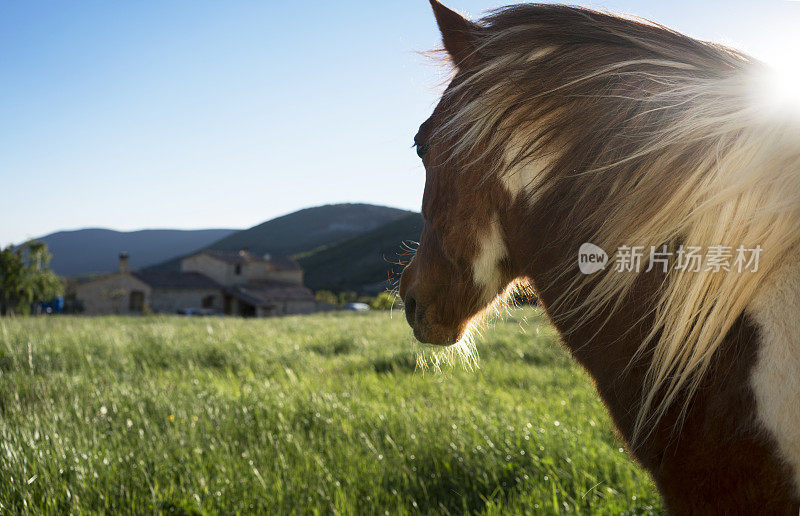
(193,114)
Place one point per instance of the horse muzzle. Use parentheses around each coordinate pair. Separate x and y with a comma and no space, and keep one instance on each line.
(418,318)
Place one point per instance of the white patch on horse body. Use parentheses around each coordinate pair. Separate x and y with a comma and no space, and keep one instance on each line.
(776,376)
(486,267)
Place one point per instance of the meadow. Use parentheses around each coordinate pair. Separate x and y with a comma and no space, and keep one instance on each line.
(300,415)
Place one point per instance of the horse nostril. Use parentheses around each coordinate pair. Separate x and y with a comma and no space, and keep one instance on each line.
(411,307)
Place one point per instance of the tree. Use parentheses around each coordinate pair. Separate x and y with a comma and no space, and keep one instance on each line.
(347,297)
(326,296)
(26,278)
(385,301)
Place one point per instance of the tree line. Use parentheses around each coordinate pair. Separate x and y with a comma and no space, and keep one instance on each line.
(26,279)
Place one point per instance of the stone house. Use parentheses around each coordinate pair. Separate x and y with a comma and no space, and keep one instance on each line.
(209,282)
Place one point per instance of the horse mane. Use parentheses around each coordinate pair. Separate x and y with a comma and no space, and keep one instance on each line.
(658,139)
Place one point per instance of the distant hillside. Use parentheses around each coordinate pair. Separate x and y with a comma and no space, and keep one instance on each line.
(88,251)
(365,262)
(304,230)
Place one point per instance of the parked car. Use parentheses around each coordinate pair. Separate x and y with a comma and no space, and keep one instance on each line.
(356,307)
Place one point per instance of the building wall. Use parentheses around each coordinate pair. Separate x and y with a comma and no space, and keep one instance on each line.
(218,270)
(170,300)
(295,277)
(224,273)
(111,294)
(238,308)
(257,270)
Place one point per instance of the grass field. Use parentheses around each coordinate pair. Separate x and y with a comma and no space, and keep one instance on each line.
(310,414)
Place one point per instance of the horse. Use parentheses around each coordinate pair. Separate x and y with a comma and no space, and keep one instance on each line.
(569,141)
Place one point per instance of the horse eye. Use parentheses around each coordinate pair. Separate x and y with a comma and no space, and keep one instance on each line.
(422,149)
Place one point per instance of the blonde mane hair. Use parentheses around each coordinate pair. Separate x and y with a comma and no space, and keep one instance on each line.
(666,140)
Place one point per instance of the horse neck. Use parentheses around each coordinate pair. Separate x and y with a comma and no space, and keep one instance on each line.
(541,247)
(606,343)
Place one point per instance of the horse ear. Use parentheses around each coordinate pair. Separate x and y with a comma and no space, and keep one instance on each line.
(458,34)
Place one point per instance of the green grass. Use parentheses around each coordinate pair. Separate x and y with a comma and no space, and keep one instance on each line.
(310,414)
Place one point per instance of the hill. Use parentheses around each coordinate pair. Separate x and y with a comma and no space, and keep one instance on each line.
(309,228)
(304,230)
(88,251)
(364,263)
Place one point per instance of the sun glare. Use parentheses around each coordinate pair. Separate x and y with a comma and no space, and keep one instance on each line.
(778,89)
(785,85)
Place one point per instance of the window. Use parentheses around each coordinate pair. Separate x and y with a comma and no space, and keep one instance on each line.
(208,302)
(237,270)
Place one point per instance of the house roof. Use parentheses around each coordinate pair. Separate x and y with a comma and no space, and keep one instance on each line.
(175,279)
(99,278)
(267,293)
(240,257)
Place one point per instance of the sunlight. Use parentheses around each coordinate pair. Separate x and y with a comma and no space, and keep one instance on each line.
(778,90)
(785,85)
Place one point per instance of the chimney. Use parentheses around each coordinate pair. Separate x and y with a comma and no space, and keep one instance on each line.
(124,266)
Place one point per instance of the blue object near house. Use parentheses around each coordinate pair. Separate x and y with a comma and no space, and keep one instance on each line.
(54,306)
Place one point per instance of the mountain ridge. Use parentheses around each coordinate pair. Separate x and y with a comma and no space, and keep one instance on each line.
(96,250)
(350,246)
(303,230)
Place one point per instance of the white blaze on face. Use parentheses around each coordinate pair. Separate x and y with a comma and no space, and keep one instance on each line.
(486,267)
